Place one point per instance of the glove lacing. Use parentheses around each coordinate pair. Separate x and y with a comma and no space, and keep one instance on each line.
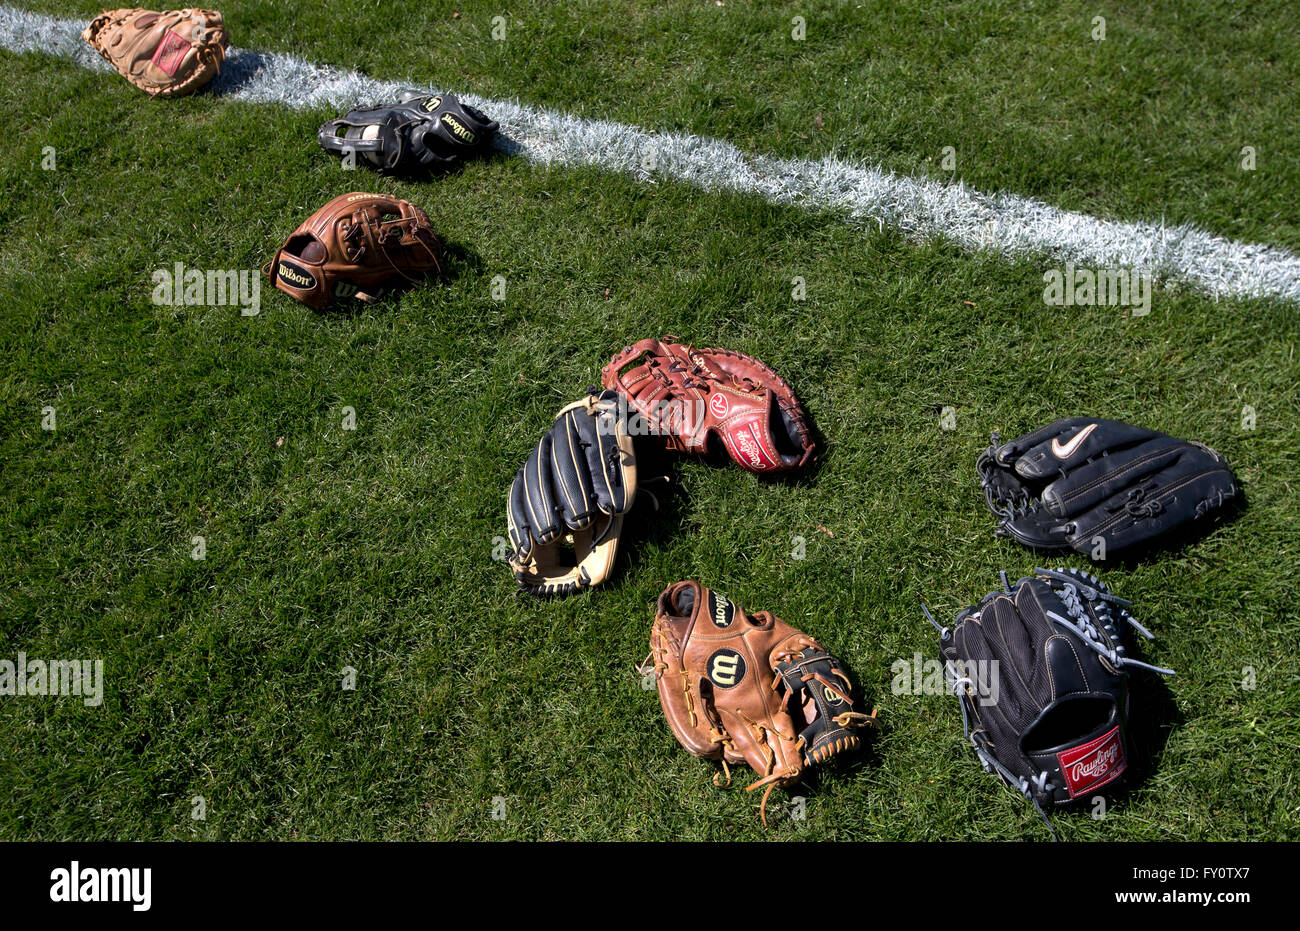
(718,736)
(386,234)
(772,779)
(1032,789)
(1139,504)
(1006,503)
(1105,642)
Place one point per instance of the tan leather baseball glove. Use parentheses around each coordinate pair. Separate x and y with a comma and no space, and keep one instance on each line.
(358,245)
(698,399)
(166,54)
(740,687)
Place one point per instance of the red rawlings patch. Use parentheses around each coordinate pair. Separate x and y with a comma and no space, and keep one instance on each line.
(171,52)
(719,405)
(1094,764)
(747,444)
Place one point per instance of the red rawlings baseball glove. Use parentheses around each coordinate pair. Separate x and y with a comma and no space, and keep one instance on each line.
(358,245)
(702,398)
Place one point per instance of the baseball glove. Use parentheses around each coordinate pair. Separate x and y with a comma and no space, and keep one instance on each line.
(166,54)
(699,398)
(740,687)
(567,503)
(1041,672)
(419,132)
(1099,486)
(358,245)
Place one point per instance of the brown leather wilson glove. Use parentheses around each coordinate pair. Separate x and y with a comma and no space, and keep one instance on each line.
(358,245)
(699,398)
(740,687)
(166,54)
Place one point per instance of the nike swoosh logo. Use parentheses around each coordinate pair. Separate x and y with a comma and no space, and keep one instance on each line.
(1070,448)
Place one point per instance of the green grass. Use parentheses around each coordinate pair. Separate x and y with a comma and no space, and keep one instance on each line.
(373,548)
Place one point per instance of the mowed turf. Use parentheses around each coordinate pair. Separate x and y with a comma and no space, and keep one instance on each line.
(373,548)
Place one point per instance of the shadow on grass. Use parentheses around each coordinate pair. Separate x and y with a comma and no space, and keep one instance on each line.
(457,260)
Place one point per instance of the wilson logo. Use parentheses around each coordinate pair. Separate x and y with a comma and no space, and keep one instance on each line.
(433,103)
(294,276)
(721,610)
(458,129)
(726,668)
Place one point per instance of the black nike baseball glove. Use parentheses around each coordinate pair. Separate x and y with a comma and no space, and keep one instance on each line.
(1100,486)
(1042,674)
(418,133)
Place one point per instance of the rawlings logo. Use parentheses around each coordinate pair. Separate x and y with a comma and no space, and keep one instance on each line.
(293,276)
(718,404)
(746,442)
(458,129)
(1094,764)
(1099,765)
(170,53)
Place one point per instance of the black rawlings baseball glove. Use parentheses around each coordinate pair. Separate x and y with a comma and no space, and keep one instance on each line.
(566,504)
(1042,673)
(418,133)
(1099,486)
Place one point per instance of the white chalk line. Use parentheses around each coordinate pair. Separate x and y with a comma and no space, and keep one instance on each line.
(867,197)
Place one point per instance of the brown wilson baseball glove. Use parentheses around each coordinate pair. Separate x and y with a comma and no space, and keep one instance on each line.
(358,245)
(166,54)
(699,399)
(740,687)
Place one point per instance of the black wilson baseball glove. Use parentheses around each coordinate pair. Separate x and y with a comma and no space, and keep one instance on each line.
(418,133)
